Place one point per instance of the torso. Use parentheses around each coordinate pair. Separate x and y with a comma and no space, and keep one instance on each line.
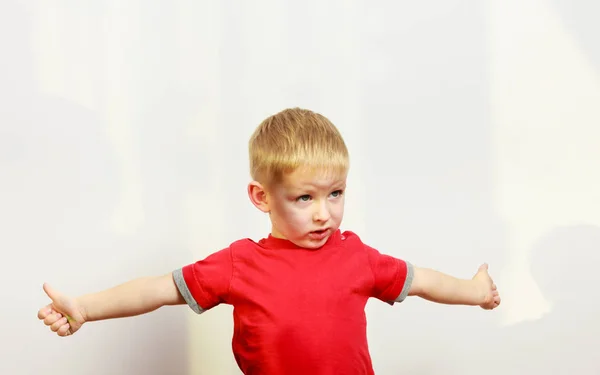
(299,311)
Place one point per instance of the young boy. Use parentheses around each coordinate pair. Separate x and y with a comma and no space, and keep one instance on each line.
(299,294)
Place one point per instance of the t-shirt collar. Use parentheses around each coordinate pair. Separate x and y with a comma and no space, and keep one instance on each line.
(271,242)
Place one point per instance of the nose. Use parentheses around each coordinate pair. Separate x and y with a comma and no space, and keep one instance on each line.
(321,212)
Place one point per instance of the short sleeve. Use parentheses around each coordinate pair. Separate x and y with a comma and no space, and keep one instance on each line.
(205,284)
(392,276)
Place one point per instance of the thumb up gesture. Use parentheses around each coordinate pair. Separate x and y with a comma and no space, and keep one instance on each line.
(487,288)
(63,315)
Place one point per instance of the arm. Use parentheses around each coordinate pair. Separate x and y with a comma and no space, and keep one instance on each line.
(441,288)
(66,315)
(135,297)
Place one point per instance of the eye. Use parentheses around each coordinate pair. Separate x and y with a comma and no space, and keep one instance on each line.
(303,198)
(336,193)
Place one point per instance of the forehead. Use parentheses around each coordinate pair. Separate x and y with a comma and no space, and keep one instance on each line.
(315,179)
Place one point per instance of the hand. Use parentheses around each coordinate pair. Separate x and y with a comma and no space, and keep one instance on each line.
(487,289)
(63,315)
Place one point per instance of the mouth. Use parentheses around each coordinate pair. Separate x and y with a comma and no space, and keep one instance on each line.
(318,234)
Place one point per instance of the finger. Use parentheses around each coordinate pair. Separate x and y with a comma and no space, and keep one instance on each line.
(494,287)
(483,267)
(495,293)
(52,318)
(64,330)
(58,324)
(44,312)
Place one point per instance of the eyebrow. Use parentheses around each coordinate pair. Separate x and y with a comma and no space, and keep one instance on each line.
(312,186)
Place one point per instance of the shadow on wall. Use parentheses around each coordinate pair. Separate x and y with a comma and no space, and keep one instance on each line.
(59,186)
(564,263)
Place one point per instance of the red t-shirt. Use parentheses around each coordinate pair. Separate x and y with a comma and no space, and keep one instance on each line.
(297,310)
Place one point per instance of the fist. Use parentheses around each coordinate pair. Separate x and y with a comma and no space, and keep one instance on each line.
(63,315)
(490,298)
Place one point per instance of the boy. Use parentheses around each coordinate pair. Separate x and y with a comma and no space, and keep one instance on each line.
(299,294)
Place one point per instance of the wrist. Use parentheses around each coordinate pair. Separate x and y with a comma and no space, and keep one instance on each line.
(82,308)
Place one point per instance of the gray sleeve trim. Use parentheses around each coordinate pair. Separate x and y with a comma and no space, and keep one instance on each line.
(410,272)
(185,292)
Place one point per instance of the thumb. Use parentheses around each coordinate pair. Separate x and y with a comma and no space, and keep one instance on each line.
(58,299)
(483,267)
(50,292)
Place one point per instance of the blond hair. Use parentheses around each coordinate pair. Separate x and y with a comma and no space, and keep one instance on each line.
(295,138)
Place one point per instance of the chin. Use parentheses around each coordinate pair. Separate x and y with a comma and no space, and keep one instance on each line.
(313,244)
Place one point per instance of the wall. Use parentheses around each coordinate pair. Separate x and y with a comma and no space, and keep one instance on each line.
(473,128)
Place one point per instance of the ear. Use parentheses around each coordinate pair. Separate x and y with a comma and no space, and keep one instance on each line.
(258,196)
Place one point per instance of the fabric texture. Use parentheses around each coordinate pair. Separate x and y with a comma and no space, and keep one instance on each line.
(296,310)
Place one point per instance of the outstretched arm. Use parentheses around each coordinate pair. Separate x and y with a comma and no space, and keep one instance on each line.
(442,288)
(135,297)
(66,315)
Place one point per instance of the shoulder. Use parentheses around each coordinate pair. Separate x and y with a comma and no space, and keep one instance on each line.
(236,249)
(243,243)
(349,237)
(355,243)
(351,240)
(243,248)
(355,247)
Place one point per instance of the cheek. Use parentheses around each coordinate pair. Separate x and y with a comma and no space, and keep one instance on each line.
(291,214)
(338,208)
(338,213)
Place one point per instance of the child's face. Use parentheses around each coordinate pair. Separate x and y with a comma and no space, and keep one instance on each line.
(306,208)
